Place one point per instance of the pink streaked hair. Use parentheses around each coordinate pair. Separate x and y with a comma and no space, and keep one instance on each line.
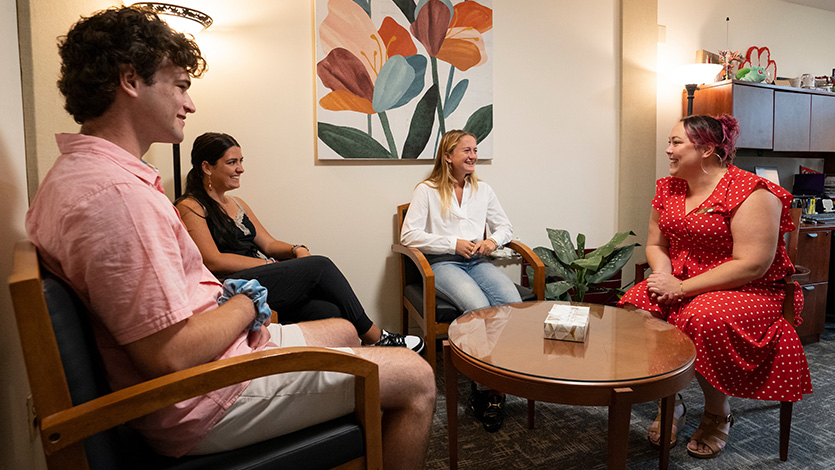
(720,132)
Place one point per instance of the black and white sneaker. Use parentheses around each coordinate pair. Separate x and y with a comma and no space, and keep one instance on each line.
(415,343)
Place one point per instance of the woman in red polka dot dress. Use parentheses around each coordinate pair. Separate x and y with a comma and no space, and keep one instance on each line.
(718,259)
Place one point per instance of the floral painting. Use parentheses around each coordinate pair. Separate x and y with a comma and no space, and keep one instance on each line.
(393,75)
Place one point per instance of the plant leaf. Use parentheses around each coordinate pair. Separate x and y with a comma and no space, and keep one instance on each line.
(554,290)
(455,97)
(420,129)
(480,123)
(608,248)
(563,248)
(581,245)
(613,264)
(590,263)
(553,266)
(348,142)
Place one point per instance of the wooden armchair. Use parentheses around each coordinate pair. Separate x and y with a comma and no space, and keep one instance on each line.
(418,299)
(80,418)
(788,313)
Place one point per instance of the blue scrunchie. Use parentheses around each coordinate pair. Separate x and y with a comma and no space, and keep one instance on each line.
(255,291)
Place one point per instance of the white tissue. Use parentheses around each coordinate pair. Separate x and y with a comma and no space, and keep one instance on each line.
(567,323)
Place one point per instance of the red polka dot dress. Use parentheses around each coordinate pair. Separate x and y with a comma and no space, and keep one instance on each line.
(744,346)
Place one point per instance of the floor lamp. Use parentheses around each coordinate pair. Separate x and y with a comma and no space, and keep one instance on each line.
(693,75)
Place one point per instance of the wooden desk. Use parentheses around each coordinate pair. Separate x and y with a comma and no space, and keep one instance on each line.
(814,251)
(627,358)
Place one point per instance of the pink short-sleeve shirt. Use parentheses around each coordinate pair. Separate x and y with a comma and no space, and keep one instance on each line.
(101,222)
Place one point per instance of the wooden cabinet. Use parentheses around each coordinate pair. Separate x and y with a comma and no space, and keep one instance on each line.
(753,106)
(772,117)
(813,250)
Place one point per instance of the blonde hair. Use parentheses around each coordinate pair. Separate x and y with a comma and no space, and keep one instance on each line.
(441,177)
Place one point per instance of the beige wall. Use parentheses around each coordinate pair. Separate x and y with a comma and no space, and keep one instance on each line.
(16,451)
(558,143)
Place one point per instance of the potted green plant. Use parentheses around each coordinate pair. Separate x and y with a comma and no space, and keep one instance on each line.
(572,272)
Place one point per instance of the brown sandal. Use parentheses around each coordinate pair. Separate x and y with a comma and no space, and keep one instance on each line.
(678,423)
(709,427)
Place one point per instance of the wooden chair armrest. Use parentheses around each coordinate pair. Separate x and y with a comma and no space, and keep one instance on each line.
(640,271)
(417,258)
(538,283)
(69,426)
(426,274)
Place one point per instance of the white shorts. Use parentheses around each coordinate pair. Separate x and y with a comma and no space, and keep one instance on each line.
(275,405)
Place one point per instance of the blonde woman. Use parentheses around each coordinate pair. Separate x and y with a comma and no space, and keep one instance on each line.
(446,221)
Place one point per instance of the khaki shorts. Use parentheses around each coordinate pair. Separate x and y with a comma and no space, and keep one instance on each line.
(275,405)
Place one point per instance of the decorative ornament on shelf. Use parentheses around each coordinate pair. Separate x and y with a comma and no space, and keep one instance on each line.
(751,74)
(730,63)
(761,57)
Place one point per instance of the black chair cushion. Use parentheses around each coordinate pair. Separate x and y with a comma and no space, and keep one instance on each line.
(445,311)
(325,445)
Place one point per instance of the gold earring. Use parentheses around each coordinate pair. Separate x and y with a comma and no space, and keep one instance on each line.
(210,184)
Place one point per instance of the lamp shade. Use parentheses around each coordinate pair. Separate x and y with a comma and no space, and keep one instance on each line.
(695,74)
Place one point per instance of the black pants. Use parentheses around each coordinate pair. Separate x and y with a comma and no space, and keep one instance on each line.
(309,288)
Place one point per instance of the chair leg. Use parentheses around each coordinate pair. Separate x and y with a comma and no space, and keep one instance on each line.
(430,347)
(785,428)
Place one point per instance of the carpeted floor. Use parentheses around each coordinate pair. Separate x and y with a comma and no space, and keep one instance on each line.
(568,437)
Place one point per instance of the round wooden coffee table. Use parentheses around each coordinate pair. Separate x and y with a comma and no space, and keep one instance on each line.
(626,358)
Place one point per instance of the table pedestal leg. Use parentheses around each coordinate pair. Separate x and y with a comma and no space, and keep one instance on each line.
(667,413)
(451,379)
(620,411)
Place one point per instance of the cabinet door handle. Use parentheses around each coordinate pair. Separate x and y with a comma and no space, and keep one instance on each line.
(812,235)
(808,287)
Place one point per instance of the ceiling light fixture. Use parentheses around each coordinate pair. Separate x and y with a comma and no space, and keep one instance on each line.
(183,19)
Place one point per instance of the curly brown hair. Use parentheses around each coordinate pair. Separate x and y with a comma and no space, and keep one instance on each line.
(97,48)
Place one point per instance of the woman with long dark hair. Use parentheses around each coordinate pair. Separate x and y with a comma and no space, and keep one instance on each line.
(234,244)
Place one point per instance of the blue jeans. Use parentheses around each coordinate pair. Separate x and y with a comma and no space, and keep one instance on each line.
(474,283)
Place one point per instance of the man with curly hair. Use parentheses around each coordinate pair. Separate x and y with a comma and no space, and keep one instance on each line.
(101,222)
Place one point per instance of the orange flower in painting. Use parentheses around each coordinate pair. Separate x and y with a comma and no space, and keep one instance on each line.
(463,45)
(457,40)
(356,54)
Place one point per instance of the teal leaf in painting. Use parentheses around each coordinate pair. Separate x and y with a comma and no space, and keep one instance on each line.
(480,123)
(407,7)
(365,5)
(455,97)
(394,80)
(420,129)
(418,63)
(348,142)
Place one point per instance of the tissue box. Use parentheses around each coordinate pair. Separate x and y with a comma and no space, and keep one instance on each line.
(567,323)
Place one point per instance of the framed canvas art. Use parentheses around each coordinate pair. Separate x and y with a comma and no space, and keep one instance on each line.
(393,75)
